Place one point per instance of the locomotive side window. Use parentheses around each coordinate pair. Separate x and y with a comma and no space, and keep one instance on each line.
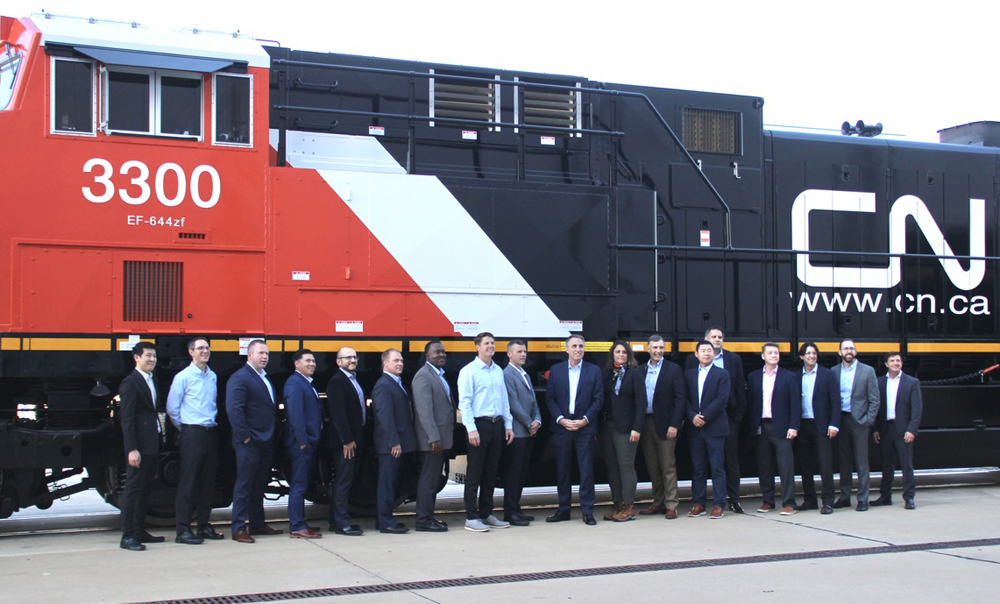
(150,102)
(73,102)
(232,107)
(712,131)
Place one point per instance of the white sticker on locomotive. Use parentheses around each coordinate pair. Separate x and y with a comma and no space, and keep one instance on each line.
(466,328)
(300,275)
(171,185)
(571,325)
(350,326)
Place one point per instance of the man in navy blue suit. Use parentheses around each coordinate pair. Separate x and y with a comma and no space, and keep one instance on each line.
(896,428)
(775,411)
(708,393)
(302,431)
(574,396)
(394,436)
(819,426)
(250,406)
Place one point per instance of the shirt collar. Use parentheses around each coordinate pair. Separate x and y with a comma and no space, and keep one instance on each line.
(259,372)
(304,375)
(653,365)
(709,368)
(804,372)
(771,373)
(146,376)
(349,374)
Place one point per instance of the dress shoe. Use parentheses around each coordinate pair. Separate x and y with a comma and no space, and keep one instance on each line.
(210,533)
(442,522)
(527,517)
(626,513)
(145,537)
(399,529)
(883,500)
(653,510)
(908,504)
(717,512)
(516,519)
(788,510)
(827,509)
(671,514)
(842,503)
(243,536)
(806,505)
(862,507)
(188,538)
(589,520)
(615,508)
(697,510)
(431,528)
(558,517)
(313,529)
(351,531)
(735,507)
(765,508)
(265,530)
(131,544)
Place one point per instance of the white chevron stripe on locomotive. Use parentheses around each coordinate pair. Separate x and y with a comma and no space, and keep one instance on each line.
(425,228)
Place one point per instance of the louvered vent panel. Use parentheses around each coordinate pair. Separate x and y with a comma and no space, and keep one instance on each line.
(712,131)
(471,101)
(543,108)
(153,291)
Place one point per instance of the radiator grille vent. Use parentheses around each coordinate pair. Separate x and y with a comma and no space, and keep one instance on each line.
(198,236)
(712,131)
(154,291)
(469,101)
(545,108)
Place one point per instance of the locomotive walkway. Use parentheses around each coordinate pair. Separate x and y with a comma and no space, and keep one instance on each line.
(947,549)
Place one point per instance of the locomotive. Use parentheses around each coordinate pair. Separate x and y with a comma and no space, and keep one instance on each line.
(162,185)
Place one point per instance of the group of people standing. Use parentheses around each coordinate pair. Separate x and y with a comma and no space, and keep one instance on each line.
(630,405)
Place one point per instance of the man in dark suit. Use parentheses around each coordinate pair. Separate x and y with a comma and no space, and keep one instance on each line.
(345,404)
(394,436)
(251,407)
(775,411)
(819,426)
(141,430)
(527,421)
(434,415)
(708,392)
(659,384)
(304,414)
(901,406)
(858,408)
(574,396)
(736,408)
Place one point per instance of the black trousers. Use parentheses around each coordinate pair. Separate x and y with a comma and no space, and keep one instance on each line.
(431,468)
(893,447)
(482,468)
(733,460)
(515,473)
(343,478)
(388,476)
(199,447)
(773,447)
(815,451)
(253,472)
(135,495)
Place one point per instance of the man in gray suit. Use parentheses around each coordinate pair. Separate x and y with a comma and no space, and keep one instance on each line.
(859,407)
(527,420)
(897,425)
(435,424)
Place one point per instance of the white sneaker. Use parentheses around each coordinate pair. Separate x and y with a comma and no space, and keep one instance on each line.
(476,526)
(495,522)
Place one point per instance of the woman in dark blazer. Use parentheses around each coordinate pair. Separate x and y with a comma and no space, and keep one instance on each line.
(622,421)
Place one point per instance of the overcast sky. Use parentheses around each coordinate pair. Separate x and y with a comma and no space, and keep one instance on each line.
(915,66)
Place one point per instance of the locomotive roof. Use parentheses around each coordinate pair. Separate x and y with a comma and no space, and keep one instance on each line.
(119,35)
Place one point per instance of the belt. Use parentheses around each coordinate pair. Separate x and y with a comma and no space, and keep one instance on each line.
(199,427)
(494,419)
(766,420)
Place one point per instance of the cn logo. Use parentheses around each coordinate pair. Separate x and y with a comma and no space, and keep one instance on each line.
(818,200)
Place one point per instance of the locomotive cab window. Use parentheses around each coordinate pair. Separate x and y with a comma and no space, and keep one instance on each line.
(153,102)
(232,109)
(73,108)
(10,60)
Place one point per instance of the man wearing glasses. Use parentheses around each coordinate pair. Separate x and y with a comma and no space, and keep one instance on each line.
(859,401)
(345,403)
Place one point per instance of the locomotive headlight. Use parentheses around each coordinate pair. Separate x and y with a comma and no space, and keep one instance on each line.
(27,412)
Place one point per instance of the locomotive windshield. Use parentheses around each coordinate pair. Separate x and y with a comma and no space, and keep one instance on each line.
(9,62)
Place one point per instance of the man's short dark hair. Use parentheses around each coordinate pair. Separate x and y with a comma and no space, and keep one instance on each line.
(894,354)
(427,346)
(655,338)
(301,352)
(480,337)
(142,347)
(769,345)
(388,353)
(575,336)
(702,343)
(193,342)
(515,342)
(715,328)
(255,343)
(805,347)
(842,343)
